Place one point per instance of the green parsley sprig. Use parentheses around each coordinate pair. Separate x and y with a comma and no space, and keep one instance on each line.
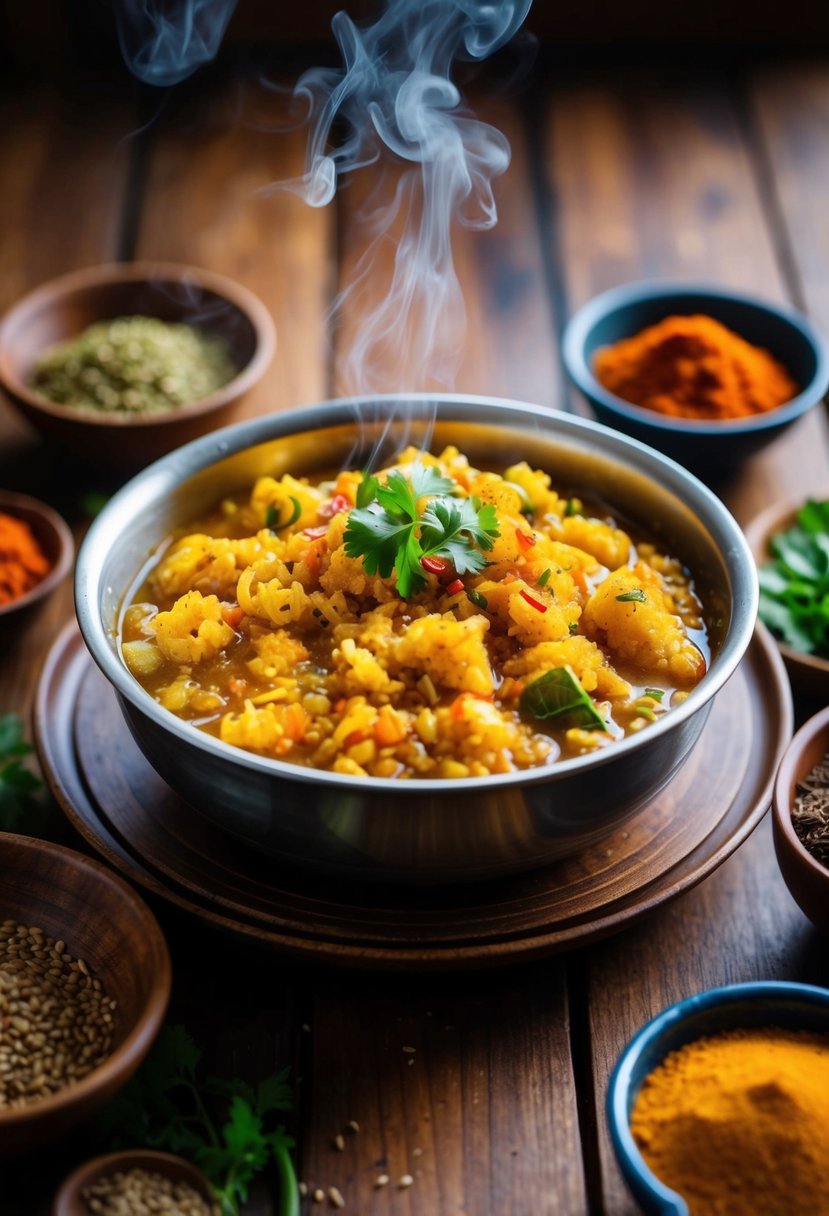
(168,1105)
(390,532)
(23,807)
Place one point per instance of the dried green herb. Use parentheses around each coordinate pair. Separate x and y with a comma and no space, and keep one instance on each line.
(134,365)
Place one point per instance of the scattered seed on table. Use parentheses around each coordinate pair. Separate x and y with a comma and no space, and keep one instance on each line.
(353,1125)
(318,1195)
(335,1197)
(339,1142)
(381,1180)
(405,1181)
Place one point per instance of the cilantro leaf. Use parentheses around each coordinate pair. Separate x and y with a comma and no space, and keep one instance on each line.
(794,584)
(391,534)
(225,1126)
(20,808)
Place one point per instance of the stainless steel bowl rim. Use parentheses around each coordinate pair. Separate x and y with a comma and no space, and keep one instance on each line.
(192,458)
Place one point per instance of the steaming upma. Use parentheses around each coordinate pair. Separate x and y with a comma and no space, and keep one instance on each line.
(428,620)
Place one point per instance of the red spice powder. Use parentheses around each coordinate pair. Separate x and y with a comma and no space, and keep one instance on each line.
(694,367)
(22,561)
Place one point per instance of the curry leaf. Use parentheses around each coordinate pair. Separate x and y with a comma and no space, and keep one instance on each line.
(558,695)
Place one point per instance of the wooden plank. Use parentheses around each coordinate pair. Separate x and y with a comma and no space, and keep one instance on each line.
(462,1083)
(790,105)
(214,155)
(655,179)
(504,346)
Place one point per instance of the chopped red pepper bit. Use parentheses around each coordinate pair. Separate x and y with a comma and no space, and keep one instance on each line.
(455,586)
(435,565)
(315,533)
(532,601)
(337,504)
(525,540)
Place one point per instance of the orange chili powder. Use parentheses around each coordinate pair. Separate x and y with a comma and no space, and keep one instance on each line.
(22,561)
(694,367)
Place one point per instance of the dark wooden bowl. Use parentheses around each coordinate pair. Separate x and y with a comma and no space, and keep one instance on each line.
(69,1202)
(62,308)
(54,537)
(103,921)
(808,673)
(806,877)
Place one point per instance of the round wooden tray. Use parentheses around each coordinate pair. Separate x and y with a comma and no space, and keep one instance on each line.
(128,814)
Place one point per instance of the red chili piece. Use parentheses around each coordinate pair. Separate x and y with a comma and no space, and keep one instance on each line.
(524,539)
(534,603)
(338,503)
(435,565)
(315,533)
(455,586)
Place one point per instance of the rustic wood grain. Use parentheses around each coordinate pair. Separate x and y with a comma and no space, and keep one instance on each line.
(213,158)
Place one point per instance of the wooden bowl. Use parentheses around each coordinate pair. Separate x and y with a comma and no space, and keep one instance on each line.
(61,309)
(55,539)
(808,673)
(805,876)
(104,922)
(69,1199)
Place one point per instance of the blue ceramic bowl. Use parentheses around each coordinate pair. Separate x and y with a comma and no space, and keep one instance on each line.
(766,1003)
(708,448)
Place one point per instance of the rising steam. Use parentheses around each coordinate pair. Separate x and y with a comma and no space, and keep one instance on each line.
(391,105)
(394,94)
(164,41)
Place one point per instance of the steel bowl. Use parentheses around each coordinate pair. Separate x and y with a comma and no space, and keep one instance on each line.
(419,830)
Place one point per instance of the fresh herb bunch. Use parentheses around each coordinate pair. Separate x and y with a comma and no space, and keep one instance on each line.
(794,585)
(19,808)
(168,1106)
(388,530)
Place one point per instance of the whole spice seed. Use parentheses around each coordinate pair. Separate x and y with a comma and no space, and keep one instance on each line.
(137,1192)
(134,365)
(810,811)
(56,1023)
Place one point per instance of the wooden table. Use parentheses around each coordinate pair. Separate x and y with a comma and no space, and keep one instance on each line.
(721,174)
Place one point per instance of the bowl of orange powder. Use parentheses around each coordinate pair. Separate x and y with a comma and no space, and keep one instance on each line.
(36,551)
(720,1104)
(706,375)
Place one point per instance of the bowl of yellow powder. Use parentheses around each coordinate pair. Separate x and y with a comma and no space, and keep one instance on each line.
(706,375)
(719,1106)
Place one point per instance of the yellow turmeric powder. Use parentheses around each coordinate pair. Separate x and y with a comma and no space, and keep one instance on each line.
(694,367)
(22,561)
(737,1123)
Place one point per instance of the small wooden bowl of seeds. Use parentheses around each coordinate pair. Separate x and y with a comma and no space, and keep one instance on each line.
(123,362)
(133,1182)
(800,818)
(85,980)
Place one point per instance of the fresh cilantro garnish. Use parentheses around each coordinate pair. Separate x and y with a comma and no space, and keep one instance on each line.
(655,694)
(227,1128)
(391,534)
(794,585)
(558,694)
(20,810)
(635,596)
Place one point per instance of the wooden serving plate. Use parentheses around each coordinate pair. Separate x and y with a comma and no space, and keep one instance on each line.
(130,816)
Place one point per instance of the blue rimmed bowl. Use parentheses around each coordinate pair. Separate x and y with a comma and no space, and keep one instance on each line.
(783,1004)
(708,448)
